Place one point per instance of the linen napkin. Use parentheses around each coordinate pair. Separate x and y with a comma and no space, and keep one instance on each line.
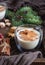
(25,58)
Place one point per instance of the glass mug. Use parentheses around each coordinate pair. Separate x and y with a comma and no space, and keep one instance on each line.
(3,8)
(28,45)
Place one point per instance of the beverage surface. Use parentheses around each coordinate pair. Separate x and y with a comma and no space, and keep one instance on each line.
(2,8)
(28,34)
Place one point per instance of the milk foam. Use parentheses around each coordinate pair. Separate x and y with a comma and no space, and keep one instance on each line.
(27,44)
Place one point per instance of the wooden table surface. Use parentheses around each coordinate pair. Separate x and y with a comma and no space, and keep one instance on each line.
(39,61)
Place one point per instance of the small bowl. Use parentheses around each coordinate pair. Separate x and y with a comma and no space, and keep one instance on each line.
(3,8)
(28,44)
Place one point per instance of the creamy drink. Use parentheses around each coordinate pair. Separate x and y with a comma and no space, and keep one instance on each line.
(28,38)
(2,11)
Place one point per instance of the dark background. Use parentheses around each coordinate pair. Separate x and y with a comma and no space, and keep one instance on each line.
(37,4)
